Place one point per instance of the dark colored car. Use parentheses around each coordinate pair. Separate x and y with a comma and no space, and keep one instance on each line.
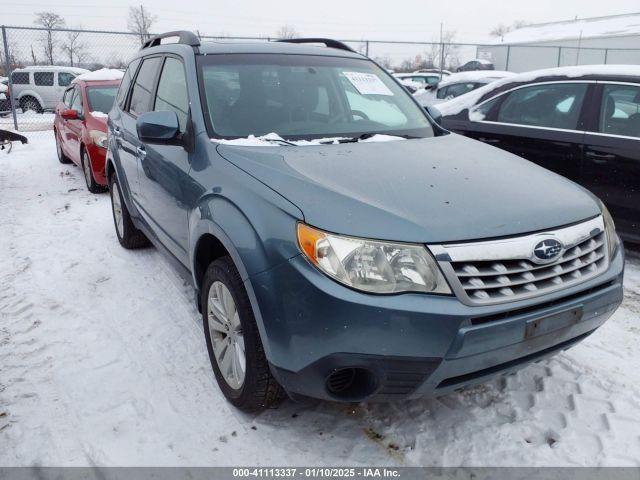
(341,244)
(477,64)
(80,128)
(5,98)
(580,124)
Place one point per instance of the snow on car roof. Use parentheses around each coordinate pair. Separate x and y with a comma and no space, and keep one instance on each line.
(475,76)
(458,104)
(52,68)
(608,26)
(104,74)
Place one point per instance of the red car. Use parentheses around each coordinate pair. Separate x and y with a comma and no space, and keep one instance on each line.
(80,127)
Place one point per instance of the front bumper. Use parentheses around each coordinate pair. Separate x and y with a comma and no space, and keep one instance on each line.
(413,345)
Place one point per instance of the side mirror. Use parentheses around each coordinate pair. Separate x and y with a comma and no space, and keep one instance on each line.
(69,114)
(434,113)
(159,127)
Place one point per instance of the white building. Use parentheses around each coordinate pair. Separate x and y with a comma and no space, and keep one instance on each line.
(614,39)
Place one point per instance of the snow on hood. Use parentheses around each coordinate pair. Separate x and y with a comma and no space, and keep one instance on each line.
(270,140)
(104,74)
(458,104)
(99,114)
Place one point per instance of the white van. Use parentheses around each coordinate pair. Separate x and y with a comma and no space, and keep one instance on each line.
(40,88)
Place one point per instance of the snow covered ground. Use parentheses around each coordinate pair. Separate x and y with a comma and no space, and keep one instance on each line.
(103,362)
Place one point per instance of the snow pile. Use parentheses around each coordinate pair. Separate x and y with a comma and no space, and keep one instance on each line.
(275,140)
(102,75)
(458,104)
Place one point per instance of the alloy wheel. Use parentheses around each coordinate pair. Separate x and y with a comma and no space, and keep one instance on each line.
(117,209)
(225,330)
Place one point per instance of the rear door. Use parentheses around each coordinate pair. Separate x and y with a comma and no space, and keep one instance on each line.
(612,154)
(44,82)
(131,148)
(164,169)
(542,122)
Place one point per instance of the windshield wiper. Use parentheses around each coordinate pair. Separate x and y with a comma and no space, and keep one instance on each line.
(279,140)
(364,136)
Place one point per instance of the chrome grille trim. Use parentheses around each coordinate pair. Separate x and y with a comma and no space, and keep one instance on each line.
(505,270)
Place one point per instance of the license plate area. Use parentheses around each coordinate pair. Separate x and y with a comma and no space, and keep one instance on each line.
(551,323)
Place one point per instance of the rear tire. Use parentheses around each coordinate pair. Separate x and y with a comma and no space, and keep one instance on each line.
(128,235)
(257,389)
(92,186)
(62,158)
(30,103)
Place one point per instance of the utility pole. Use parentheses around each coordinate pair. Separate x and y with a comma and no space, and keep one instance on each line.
(579,46)
(7,63)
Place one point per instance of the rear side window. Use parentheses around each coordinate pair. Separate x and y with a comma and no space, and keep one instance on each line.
(550,105)
(126,83)
(172,91)
(43,79)
(65,78)
(620,110)
(20,78)
(143,86)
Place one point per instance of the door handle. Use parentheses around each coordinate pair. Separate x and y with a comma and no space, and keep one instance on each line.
(117,132)
(489,140)
(141,152)
(600,158)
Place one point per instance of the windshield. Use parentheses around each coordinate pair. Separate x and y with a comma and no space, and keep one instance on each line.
(101,98)
(304,96)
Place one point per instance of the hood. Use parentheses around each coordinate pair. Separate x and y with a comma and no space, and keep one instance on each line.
(447,188)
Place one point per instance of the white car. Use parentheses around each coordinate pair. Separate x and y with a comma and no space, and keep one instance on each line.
(458,84)
(40,88)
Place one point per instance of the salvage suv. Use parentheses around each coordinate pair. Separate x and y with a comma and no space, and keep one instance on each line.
(343,245)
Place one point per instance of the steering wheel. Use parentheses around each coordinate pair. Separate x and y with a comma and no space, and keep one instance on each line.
(354,113)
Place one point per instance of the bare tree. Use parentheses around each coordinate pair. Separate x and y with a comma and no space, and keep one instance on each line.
(501,30)
(384,62)
(287,31)
(50,21)
(74,49)
(13,59)
(34,59)
(115,60)
(140,22)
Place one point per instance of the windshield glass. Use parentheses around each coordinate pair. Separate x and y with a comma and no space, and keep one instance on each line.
(101,98)
(304,96)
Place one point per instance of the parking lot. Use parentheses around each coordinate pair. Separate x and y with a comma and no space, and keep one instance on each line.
(104,363)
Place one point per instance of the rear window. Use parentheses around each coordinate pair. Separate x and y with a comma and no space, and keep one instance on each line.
(20,78)
(65,78)
(143,87)
(101,98)
(43,79)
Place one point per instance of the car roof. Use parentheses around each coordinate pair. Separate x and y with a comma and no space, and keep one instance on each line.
(225,47)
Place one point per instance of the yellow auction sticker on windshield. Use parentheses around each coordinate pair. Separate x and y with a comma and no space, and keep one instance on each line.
(367,83)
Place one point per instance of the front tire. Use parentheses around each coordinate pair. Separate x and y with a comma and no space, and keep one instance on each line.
(92,185)
(62,158)
(30,103)
(233,341)
(128,235)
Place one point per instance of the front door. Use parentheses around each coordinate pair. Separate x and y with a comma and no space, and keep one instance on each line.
(541,122)
(612,155)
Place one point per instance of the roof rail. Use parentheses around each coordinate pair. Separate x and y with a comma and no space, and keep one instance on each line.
(185,37)
(327,41)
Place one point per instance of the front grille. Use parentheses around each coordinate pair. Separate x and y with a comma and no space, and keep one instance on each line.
(508,279)
(504,270)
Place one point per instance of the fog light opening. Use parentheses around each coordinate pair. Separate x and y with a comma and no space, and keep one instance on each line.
(351,383)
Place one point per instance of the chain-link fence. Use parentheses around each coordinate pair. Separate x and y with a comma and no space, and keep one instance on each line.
(28,104)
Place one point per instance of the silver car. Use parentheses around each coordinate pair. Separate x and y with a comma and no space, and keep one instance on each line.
(40,88)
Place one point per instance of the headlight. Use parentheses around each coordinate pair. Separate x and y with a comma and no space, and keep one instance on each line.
(613,240)
(371,265)
(99,138)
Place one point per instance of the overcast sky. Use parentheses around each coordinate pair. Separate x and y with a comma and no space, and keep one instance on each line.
(346,19)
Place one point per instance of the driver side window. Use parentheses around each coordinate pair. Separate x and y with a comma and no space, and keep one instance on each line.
(76,103)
